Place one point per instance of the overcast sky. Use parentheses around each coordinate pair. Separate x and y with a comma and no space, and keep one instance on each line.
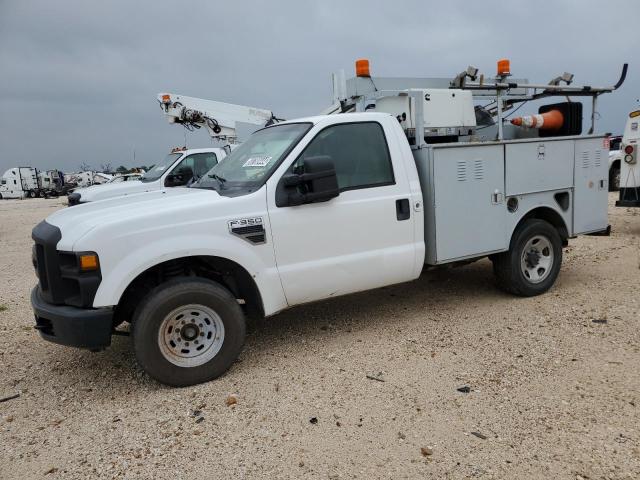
(79,79)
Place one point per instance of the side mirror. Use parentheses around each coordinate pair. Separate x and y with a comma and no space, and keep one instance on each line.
(171,181)
(179,178)
(317,183)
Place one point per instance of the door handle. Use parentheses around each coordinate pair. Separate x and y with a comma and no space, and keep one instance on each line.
(403,212)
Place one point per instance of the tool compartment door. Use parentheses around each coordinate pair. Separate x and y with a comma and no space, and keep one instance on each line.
(590,211)
(469,204)
(538,165)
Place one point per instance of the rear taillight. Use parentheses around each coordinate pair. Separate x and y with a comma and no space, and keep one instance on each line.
(628,149)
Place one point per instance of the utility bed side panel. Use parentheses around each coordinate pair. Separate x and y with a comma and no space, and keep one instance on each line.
(467,204)
(591,186)
(538,166)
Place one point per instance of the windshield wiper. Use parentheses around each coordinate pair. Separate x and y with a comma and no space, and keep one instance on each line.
(220,179)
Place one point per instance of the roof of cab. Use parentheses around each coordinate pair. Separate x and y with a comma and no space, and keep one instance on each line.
(339,118)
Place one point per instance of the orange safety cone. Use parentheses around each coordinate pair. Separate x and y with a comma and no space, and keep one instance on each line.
(552,120)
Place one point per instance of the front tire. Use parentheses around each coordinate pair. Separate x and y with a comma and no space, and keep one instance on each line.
(188,331)
(532,264)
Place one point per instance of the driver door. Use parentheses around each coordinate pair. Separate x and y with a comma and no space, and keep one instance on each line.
(361,239)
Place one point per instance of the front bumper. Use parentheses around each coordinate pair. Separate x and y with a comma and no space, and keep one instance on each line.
(72,326)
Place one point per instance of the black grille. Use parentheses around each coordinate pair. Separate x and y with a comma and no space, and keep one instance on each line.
(46,237)
(60,280)
(40,267)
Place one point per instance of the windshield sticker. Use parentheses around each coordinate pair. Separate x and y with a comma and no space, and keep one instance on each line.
(160,168)
(258,161)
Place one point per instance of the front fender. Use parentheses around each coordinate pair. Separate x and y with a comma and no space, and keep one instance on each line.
(118,271)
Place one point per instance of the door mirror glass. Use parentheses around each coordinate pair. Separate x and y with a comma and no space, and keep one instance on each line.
(313,181)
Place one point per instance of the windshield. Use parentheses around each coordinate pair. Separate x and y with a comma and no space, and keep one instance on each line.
(250,165)
(156,172)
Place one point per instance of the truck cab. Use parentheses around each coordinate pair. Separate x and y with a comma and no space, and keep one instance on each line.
(177,169)
(19,182)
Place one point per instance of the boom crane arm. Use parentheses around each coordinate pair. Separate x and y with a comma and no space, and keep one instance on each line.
(219,118)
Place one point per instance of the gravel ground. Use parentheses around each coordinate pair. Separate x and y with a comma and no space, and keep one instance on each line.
(554,382)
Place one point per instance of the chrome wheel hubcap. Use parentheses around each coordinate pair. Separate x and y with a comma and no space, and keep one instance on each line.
(537,259)
(191,335)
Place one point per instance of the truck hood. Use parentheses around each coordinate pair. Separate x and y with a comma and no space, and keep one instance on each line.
(77,221)
(100,192)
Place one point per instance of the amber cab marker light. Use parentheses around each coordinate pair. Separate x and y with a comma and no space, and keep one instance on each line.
(88,262)
(504,67)
(362,68)
(166,98)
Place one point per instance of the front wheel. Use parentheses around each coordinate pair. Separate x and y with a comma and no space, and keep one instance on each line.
(532,264)
(188,331)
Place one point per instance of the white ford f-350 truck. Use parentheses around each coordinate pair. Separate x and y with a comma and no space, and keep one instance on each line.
(175,170)
(307,210)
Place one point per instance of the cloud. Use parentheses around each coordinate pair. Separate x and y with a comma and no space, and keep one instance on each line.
(79,79)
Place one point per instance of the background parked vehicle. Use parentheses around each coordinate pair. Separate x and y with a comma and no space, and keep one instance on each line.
(19,182)
(177,169)
(630,167)
(615,159)
(127,177)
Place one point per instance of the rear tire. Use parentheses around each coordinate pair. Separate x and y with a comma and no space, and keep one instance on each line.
(188,331)
(532,264)
(614,179)
(32,194)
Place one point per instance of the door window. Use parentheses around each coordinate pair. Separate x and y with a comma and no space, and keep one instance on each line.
(193,167)
(201,163)
(359,152)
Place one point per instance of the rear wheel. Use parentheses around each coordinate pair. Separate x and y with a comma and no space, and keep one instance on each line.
(188,331)
(32,194)
(532,264)
(614,178)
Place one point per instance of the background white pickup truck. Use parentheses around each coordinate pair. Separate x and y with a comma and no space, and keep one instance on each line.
(302,211)
(177,169)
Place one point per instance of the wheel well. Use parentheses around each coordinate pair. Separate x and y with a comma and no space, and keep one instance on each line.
(551,216)
(615,164)
(226,272)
